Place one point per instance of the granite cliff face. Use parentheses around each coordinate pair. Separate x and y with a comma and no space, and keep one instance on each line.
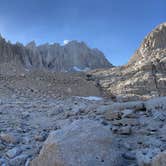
(145,74)
(74,56)
(152,47)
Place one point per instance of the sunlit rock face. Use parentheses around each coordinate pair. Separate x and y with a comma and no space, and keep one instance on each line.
(74,55)
(152,47)
(145,74)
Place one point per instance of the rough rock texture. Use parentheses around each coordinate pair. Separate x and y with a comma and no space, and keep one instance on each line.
(160,159)
(135,135)
(145,74)
(84,142)
(74,56)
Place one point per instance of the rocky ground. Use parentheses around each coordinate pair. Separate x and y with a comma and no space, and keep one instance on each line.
(25,123)
(122,134)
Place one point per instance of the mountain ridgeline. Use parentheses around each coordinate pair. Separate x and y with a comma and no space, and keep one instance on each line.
(74,56)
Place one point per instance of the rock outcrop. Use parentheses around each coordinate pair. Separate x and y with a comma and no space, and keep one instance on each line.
(145,74)
(74,56)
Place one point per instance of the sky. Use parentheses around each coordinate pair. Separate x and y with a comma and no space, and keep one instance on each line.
(116,27)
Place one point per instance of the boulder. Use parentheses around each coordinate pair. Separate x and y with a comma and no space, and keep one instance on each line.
(8,138)
(160,159)
(84,142)
(111,115)
(13,152)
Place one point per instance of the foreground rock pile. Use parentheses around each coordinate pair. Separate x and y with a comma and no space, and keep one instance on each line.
(145,74)
(82,132)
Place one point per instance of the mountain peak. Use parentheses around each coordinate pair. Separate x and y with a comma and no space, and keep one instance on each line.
(154,43)
(31,44)
(156,39)
(54,56)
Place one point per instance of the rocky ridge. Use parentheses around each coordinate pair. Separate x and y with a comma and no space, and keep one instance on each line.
(145,74)
(74,56)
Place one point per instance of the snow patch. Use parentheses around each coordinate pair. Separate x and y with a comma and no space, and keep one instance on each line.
(66,42)
(79,70)
(91,98)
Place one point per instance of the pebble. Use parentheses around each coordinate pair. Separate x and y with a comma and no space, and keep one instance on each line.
(125,122)
(128,114)
(2,147)
(2,161)
(143,160)
(127,146)
(144,156)
(104,123)
(8,138)
(126,130)
(13,152)
(27,163)
(115,129)
(111,115)
(129,156)
(19,160)
(41,137)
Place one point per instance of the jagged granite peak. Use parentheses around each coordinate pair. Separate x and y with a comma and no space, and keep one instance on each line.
(73,54)
(31,45)
(154,43)
(70,57)
(155,39)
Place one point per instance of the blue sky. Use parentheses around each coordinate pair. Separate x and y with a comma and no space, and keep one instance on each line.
(116,27)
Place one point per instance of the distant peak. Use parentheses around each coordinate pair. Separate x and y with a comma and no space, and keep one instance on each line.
(19,44)
(31,44)
(1,37)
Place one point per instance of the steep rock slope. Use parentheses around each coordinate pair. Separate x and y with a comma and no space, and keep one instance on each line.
(74,56)
(145,74)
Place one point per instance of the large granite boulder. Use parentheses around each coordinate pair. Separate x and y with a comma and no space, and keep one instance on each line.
(84,142)
(160,159)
